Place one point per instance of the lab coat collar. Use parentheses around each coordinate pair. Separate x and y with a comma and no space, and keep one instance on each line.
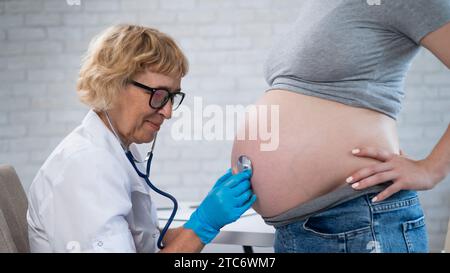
(101,136)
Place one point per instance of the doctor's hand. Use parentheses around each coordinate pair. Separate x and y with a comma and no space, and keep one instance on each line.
(404,173)
(229,198)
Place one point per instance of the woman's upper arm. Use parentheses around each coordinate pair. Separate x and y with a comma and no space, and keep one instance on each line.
(438,42)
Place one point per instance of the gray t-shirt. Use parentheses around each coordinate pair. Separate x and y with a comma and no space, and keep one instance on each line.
(353,52)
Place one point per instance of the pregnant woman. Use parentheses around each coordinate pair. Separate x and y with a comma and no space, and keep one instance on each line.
(337,181)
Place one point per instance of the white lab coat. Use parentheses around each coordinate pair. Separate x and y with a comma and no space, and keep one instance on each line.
(88,198)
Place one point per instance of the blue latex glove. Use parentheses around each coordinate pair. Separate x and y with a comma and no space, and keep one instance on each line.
(228,199)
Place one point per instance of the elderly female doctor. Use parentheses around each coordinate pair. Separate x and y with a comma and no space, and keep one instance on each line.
(87,196)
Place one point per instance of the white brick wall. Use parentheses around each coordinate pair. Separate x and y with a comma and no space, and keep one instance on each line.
(41,42)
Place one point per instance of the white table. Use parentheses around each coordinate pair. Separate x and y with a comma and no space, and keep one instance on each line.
(248,231)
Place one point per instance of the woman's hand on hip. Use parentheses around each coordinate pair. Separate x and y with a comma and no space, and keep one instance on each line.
(404,173)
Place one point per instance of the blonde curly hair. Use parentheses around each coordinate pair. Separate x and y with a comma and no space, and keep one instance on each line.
(118,54)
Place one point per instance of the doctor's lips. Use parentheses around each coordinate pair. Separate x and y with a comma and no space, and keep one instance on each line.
(154,124)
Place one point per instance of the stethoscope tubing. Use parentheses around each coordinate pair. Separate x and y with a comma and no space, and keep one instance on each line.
(153,187)
(145,176)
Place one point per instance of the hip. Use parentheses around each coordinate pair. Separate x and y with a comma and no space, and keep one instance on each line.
(359,225)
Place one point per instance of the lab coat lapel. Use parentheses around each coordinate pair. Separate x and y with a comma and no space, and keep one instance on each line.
(104,137)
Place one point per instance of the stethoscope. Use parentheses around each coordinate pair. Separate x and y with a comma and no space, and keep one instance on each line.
(244,163)
(145,176)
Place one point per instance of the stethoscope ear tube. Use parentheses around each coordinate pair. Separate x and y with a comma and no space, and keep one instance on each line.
(149,154)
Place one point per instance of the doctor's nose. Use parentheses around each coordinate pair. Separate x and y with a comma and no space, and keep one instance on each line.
(166,111)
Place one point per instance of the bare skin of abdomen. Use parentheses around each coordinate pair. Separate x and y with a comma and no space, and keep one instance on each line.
(316,137)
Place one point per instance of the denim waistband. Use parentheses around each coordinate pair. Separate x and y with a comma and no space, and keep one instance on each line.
(320,204)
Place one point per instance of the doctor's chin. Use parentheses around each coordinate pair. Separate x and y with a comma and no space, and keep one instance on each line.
(250,129)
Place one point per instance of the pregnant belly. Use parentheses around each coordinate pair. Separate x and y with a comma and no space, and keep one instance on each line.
(308,152)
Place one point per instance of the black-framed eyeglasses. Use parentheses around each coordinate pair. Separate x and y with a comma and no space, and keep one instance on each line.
(160,96)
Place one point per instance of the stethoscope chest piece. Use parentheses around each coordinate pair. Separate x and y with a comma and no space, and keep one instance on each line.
(244,163)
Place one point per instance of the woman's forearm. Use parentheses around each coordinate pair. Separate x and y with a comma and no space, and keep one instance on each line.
(439,158)
(171,234)
(184,241)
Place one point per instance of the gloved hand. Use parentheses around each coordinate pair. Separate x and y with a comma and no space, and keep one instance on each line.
(228,199)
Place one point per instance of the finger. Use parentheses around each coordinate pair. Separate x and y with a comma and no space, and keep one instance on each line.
(248,171)
(388,192)
(247,205)
(224,178)
(375,153)
(237,178)
(241,188)
(375,179)
(369,171)
(243,198)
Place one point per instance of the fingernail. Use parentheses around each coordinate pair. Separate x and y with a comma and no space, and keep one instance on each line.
(349,179)
(374,199)
(355,151)
(355,185)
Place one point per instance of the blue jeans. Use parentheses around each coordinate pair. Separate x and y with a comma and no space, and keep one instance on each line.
(393,225)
